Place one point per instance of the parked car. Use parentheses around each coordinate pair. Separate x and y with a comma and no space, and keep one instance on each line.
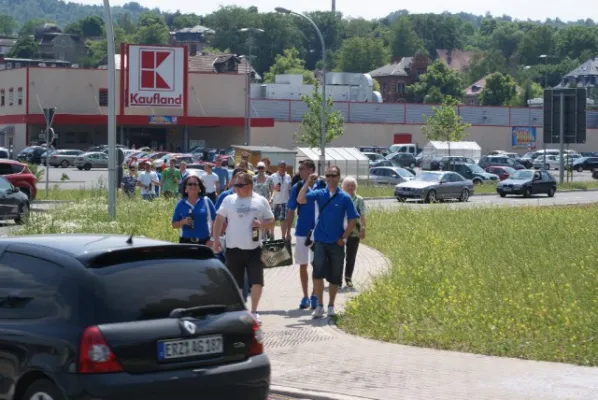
(446,162)
(431,186)
(4,152)
(374,157)
(19,175)
(429,163)
(64,158)
(383,163)
(589,154)
(14,204)
(389,175)
(502,172)
(190,334)
(499,161)
(549,162)
(88,161)
(585,164)
(44,156)
(528,182)
(402,159)
(34,155)
(474,172)
(595,173)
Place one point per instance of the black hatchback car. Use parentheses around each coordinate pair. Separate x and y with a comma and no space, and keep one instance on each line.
(90,317)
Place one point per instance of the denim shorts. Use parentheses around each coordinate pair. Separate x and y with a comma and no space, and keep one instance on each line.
(329,260)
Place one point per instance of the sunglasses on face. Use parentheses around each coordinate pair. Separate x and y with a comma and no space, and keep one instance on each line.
(240,185)
(193,184)
(331,175)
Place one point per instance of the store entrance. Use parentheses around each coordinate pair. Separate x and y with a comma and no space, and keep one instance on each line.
(154,138)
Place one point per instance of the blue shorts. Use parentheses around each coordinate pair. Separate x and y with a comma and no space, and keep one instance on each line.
(329,260)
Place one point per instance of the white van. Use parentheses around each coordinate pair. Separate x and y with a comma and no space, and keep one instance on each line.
(403,148)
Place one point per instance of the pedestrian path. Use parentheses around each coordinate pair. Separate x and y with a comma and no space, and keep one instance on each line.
(314,355)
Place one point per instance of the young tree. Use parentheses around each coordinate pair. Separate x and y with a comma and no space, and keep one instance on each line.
(500,90)
(362,55)
(289,63)
(439,82)
(445,124)
(310,129)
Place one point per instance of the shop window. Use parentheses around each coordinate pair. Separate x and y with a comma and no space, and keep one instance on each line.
(20,96)
(11,97)
(2,98)
(103,97)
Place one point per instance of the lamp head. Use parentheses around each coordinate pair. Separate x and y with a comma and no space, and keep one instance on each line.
(282,10)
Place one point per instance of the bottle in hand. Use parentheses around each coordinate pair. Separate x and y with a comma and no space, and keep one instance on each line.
(190,215)
(255,233)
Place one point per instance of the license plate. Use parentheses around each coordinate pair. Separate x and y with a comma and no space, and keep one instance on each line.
(507,189)
(186,348)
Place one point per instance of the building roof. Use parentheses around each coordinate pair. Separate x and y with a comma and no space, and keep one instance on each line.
(395,69)
(590,67)
(205,63)
(196,29)
(585,75)
(7,41)
(458,60)
(272,149)
(476,88)
(439,145)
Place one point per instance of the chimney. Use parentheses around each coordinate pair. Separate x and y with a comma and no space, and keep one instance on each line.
(333,5)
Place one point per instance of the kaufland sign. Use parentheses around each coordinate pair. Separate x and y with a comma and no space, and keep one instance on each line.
(156,76)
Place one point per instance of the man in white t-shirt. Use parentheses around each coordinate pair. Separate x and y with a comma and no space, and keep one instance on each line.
(148,180)
(246,214)
(280,185)
(212,183)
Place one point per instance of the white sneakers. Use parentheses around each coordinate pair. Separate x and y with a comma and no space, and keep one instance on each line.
(319,312)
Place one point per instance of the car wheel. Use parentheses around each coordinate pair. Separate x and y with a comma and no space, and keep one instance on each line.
(477,182)
(502,194)
(412,165)
(431,197)
(80,168)
(579,169)
(27,192)
(547,167)
(43,389)
(87,167)
(464,196)
(23,214)
(551,192)
(528,192)
(64,164)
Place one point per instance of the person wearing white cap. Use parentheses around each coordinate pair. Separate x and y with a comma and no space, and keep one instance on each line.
(261,186)
(280,184)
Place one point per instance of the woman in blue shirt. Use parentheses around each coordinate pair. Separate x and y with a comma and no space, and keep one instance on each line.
(194,214)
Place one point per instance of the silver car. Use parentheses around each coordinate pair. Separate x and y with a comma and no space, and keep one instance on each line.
(389,175)
(431,186)
(91,160)
(63,158)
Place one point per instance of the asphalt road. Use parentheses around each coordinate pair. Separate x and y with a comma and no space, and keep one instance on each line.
(88,179)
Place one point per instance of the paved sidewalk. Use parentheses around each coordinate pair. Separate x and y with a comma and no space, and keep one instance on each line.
(317,356)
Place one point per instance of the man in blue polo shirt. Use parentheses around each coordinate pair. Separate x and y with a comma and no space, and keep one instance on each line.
(335,221)
(306,217)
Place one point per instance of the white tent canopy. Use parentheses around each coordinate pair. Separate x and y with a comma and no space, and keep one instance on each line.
(349,159)
(464,149)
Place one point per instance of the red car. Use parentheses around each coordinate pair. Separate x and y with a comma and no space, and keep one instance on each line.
(502,172)
(20,176)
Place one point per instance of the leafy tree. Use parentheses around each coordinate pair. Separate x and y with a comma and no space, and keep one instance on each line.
(152,29)
(572,41)
(484,63)
(87,27)
(539,40)
(362,54)
(500,90)
(8,24)
(445,124)
(310,128)
(532,90)
(289,63)
(404,41)
(506,39)
(439,82)
(25,47)
(31,26)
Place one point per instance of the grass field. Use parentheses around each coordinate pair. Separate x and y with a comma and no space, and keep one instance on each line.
(518,282)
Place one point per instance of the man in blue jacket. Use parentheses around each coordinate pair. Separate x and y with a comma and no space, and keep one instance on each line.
(306,217)
(335,221)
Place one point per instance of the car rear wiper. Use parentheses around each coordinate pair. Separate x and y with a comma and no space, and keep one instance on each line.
(209,309)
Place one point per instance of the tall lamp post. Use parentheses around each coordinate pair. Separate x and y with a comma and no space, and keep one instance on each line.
(545,57)
(324,103)
(249,58)
(112,173)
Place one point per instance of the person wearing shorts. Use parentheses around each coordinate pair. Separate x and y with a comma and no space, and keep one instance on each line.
(306,217)
(335,221)
(244,211)
(280,187)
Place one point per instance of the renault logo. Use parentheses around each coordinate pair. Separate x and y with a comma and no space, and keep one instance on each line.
(190,327)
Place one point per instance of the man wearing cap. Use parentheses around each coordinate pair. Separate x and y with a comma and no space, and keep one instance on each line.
(280,185)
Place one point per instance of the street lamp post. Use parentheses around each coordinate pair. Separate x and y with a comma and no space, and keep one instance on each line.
(545,57)
(324,99)
(251,31)
(112,173)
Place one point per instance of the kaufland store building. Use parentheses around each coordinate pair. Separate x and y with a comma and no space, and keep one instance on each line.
(160,103)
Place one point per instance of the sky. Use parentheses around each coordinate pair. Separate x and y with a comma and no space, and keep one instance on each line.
(518,9)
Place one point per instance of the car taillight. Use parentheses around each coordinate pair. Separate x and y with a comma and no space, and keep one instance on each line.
(257,342)
(54,156)
(95,356)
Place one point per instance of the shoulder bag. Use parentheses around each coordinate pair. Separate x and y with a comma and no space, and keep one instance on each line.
(309,240)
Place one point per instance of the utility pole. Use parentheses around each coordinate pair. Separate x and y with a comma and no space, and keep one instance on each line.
(112,173)
(249,60)
(561,139)
(49,114)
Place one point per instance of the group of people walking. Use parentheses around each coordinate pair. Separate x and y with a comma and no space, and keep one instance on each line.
(330,222)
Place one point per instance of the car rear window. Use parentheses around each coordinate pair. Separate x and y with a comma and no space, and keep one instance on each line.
(151,289)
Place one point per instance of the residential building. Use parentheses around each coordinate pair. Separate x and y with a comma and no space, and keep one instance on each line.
(396,76)
(471,94)
(222,63)
(6,43)
(195,38)
(586,75)
(56,45)
(12,63)
(458,60)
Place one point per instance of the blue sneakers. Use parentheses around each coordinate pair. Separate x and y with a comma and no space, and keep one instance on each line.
(304,303)
(314,302)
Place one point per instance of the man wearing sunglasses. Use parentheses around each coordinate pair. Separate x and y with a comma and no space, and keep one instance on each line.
(335,220)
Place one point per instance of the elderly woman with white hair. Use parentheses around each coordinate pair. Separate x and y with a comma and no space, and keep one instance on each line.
(350,187)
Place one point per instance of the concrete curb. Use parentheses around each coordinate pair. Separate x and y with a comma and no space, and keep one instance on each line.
(310,394)
(487,194)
